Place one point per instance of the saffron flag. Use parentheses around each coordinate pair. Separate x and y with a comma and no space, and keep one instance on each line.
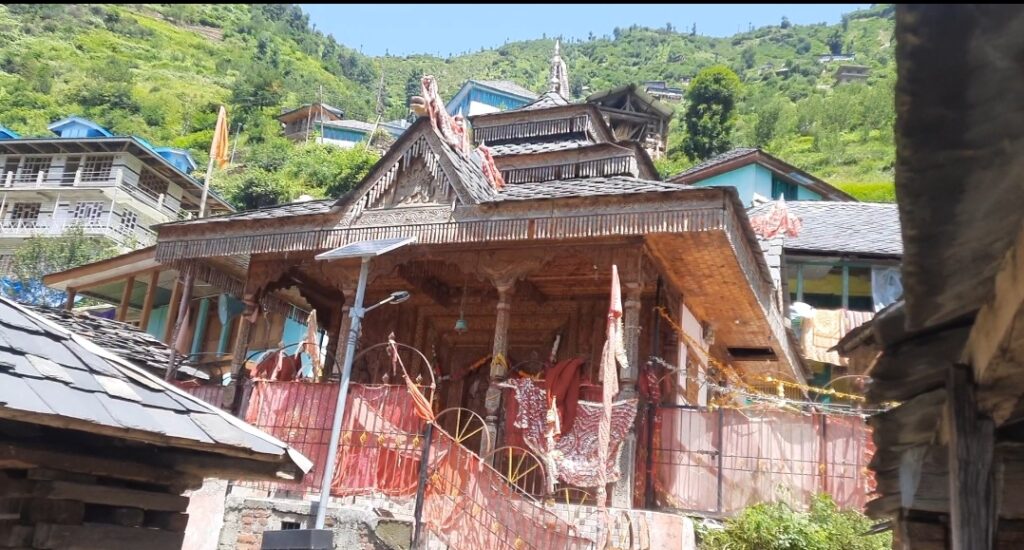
(219,146)
(614,352)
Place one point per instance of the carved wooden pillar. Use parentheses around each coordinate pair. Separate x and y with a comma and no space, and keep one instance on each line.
(492,400)
(238,353)
(337,346)
(622,493)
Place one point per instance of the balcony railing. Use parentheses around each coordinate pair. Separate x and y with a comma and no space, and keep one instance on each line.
(137,237)
(91,178)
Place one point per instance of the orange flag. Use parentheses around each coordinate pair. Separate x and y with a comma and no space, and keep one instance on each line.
(219,146)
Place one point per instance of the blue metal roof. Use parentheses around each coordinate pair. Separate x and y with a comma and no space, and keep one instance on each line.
(92,129)
(7,133)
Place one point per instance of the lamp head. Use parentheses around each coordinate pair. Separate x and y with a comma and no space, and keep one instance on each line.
(399,296)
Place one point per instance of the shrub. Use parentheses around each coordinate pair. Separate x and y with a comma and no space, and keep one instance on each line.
(775,526)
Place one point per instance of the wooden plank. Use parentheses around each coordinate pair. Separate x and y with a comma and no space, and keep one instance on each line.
(45,510)
(971,450)
(69,301)
(67,460)
(112,496)
(168,521)
(103,537)
(147,304)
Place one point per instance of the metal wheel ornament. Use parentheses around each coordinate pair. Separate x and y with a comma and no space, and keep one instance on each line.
(522,469)
(572,496)
(465,425)
(380,362)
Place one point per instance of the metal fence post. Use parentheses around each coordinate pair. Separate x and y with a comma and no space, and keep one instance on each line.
(721,451)
(421,487)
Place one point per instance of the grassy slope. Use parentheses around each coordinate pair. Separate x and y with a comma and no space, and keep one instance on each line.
(178,75)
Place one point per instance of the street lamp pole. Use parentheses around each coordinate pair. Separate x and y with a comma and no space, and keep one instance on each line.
(339,408)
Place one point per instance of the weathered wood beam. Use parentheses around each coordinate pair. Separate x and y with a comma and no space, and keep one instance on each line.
(147,303)
(971,450)
(915,367)
(913,423)
(25,455)
(126,296)
(429,286)
(529,291)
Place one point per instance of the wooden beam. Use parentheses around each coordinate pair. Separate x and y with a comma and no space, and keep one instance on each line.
(147,304)
(111,496)
(172,311)
(98,536)
(971,450)
(60,458)
(126,297)
(69,302)
(526,289)
(440,293)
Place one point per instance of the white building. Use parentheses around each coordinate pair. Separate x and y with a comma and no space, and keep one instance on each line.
(112,186)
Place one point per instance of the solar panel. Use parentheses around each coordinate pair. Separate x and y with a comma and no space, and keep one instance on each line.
(363,249)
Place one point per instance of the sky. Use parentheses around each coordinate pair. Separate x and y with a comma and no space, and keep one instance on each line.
(443,29)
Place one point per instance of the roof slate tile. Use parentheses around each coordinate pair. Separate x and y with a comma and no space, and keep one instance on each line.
(843,227)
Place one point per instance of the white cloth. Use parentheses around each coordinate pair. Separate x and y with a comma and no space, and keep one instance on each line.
(886,286)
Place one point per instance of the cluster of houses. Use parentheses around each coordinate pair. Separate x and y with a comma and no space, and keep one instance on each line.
(505,275)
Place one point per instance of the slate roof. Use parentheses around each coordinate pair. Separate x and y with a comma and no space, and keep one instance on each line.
(357,125)
(54,377)
(716,160)
(546,101)
(128,342)
(586,187)
(304,208)
(509,87)
(843,227)
(509,149)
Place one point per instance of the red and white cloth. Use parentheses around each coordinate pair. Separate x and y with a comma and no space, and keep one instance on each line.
(777,221)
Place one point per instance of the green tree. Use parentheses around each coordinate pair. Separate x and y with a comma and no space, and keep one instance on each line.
(41,255)
(710,112)
(257,188)
(413,85)
(326,170)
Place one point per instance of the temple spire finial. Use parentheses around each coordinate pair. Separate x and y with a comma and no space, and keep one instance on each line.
(559,80)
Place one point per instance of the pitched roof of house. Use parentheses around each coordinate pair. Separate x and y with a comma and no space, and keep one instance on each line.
(349,124)
(545,101)
(736,158)
(333,110)
(130,343)
(508,86)
(834,227)
(509,149)
(299,208)
(54,377)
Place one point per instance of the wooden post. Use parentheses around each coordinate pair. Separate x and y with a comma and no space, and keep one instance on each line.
(69,300)
(499,352)
(126,295)
(972,506)
(336,347)
(147,304)
(622,492)
(238,354)
(172,311)
(200,334)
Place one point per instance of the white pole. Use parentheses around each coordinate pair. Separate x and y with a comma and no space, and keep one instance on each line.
(206,186)
(339,409)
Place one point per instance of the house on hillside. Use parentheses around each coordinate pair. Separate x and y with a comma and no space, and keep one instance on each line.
(758,176)
(349,133)
(487,96)
(661,90)
(829,58)
(115,187)
(299,123)
(846,74)
(97,452)
(841,268)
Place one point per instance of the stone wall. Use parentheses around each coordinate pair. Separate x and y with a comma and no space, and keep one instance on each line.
(355,528)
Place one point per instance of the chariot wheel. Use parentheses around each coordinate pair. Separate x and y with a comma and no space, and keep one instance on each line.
(523,470)
(463,425)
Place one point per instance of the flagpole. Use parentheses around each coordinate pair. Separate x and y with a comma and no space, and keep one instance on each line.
(206,185)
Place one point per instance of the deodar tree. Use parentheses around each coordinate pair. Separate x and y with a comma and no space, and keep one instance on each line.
(710,112)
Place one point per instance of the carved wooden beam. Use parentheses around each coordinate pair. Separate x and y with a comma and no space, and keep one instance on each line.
(429,286)
(526,289)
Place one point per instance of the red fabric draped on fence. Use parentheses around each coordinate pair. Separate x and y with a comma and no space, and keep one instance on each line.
(765,456)
(467,503)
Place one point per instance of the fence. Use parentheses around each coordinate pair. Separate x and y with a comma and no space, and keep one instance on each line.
(726,460)
(467,503)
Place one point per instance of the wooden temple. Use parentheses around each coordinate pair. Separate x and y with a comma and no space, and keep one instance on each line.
(498,275)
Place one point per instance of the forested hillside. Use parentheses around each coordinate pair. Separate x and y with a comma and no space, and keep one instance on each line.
(160,70)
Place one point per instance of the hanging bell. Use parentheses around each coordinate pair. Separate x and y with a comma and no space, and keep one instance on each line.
(461,325)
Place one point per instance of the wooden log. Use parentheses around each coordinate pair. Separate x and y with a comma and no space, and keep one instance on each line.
(971,450)
(126,295)
(62,459)
(147,304)
(103,537)
(45,510)
(168,521)
(16,536)
(112,496)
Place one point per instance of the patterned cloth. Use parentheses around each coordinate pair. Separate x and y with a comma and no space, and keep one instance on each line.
(576,450)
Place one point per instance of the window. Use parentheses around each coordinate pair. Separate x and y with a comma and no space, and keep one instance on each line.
(71,165)
(129,221)
(830,286)
(783,188)
(31,167)
(27,213)
(96,168)
(152,184)
(10,165)
(88,213)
